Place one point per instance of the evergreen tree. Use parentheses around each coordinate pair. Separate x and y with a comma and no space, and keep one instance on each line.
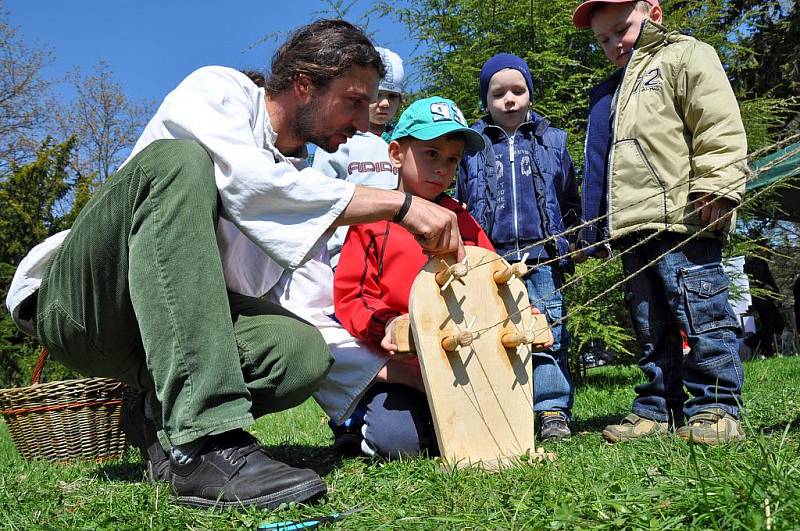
(37,200)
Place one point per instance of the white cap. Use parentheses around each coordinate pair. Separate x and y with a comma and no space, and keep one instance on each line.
(393,80)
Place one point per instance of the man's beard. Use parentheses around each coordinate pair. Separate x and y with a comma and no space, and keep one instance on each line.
(304,125)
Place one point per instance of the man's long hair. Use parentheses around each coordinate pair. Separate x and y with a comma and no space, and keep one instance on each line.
(323,51)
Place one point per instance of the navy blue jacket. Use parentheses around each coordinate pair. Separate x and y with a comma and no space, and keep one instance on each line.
(595,164)
(522,190)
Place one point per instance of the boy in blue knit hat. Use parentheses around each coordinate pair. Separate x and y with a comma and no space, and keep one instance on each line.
(522,190)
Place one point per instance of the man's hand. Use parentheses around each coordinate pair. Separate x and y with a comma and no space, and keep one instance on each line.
(714,211)
(576,255)
(434,227)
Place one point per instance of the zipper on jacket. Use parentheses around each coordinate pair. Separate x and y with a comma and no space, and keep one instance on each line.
(614,116)
(585,158)
(511,156)
(514,190)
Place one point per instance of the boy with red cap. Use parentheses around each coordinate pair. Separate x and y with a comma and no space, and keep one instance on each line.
(664,171)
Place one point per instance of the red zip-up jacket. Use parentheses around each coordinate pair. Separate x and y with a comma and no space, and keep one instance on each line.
(378,264)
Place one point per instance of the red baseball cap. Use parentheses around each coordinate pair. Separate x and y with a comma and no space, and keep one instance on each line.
(581,18)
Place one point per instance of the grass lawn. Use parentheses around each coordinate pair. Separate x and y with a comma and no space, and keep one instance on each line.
(660,483)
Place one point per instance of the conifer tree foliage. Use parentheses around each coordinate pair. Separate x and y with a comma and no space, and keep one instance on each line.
(37,200)
(32,200)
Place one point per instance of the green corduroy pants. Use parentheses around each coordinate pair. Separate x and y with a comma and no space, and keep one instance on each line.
(136,292)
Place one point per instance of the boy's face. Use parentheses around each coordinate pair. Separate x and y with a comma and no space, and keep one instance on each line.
(427,167)
(384,108)
(508,98)
(617,26)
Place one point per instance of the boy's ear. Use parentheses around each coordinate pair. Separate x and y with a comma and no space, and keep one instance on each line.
(656,14)
(396,154)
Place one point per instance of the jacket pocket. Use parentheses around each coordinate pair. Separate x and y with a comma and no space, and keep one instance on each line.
(705,290)
(638,194)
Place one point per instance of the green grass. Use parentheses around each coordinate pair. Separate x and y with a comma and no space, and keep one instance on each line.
(654,484)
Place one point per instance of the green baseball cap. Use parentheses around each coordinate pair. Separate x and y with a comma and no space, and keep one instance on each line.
(433,117)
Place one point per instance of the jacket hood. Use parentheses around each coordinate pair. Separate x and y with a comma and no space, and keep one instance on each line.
(653,35)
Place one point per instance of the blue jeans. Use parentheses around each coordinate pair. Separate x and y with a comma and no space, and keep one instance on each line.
(391,421)
(552,383)
(685,290)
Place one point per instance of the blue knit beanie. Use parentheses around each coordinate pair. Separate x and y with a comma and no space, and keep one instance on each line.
(499,62)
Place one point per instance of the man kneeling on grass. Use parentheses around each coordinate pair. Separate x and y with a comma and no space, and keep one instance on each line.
(160,281)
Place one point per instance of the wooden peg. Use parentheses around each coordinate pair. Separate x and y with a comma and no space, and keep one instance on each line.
(403,337)
(453,342)
(539,334)
(449,273)
(503,276)
(516,338)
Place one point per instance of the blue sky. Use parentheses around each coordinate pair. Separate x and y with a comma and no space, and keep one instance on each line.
(150,46)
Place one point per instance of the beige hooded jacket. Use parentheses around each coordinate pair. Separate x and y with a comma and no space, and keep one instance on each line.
(676,131)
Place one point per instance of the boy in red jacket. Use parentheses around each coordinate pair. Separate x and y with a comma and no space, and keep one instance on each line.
(378,264)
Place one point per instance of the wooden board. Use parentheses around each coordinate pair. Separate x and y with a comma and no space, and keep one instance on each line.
(481,395)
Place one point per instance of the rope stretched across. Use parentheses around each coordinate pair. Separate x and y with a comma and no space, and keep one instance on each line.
(688,238)
(654,234)
(648,238)
(680,182)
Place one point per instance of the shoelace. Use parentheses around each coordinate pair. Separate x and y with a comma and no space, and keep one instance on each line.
(234,448)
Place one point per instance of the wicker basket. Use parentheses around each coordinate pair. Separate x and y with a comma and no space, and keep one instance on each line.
(66,419)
